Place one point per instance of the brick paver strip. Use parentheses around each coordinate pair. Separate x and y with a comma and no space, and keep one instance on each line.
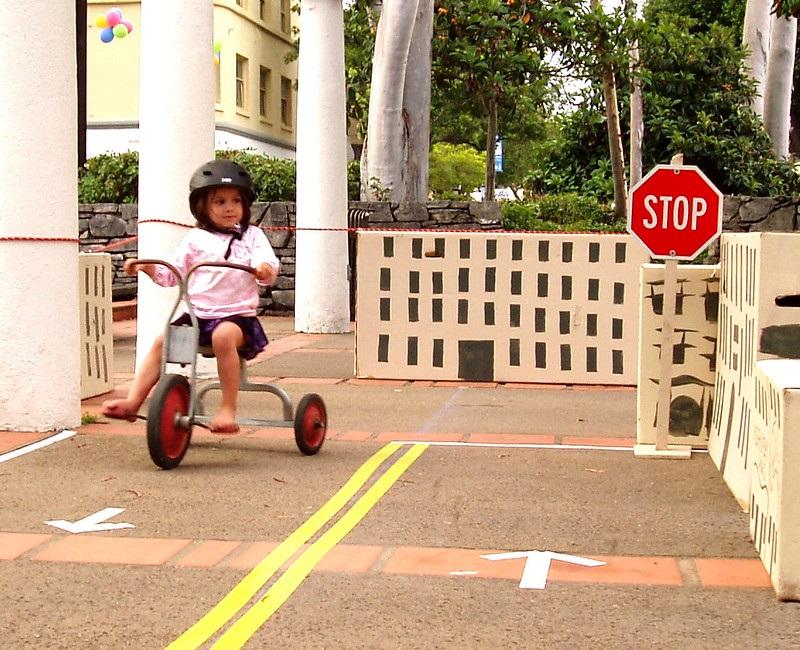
(349,558)
(622,570)
(427,437)
(251,555)
(12,545)
(598,441)
(112,550)
(208,553)
(618,570)
(11,440)
(728,572)
(421,561)
(511,439)
(352,436)
(402,560)
(310,380)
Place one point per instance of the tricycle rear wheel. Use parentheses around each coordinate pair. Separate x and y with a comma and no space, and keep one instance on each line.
(310,424)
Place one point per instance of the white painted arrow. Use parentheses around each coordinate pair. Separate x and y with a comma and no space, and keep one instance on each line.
(92,523)
(537,565)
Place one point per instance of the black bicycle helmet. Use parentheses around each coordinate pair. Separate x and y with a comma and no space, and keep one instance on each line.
(220,173)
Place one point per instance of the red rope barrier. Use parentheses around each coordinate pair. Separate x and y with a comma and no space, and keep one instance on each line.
(68,240)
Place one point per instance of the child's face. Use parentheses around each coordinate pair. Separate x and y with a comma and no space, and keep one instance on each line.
(225,208)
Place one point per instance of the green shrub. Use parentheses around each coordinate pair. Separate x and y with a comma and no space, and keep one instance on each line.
(274,178)
(353,180)
(114,178)
(109,178)
(570,211)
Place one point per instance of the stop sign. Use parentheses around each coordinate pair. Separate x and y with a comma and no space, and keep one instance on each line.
(675,211)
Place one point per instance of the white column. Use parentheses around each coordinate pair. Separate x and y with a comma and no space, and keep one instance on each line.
(176,127)
(39,321)
(321,286)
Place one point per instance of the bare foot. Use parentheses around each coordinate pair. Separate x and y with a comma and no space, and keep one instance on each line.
(224,422)
(120,409)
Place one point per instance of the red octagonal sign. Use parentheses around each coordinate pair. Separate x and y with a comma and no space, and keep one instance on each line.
(675,211)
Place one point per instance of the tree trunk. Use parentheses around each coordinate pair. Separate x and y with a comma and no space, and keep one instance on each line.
(755,37)
(615,144)
(491,143)
(637,105)
(387,131)
(614,137)
(417,105)
(778,90)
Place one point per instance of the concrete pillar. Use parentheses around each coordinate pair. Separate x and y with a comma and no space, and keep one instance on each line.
(321,284)
(39,319)
(176,128)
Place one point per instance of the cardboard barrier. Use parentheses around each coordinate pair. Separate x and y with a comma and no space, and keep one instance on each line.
(774,465)
(97,342)
(694,354)
(509,307)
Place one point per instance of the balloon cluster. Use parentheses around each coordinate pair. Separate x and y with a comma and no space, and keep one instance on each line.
(112,25)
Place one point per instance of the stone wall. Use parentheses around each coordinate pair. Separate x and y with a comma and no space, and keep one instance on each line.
(112,228)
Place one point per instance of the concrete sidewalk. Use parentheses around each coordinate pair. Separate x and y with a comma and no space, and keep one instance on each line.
(508,468)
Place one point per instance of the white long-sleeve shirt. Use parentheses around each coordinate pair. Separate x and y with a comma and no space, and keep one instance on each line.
(216,292)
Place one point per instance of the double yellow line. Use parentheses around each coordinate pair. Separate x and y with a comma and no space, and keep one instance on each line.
(247,625)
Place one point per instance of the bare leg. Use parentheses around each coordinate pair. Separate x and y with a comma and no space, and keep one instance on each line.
(144,380)
(225,340)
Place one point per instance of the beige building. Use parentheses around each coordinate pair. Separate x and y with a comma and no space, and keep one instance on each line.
(256,88)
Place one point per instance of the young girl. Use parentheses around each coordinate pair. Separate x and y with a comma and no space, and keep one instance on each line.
(224,300)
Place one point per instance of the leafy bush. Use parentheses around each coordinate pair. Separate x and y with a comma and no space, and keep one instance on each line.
(114,178)
(273,178)
(570,211)
(109,178)
(353,180)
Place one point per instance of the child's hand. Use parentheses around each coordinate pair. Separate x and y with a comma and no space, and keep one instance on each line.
(266,273)
(131,268)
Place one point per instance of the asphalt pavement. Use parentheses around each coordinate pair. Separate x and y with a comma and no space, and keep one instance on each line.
(436,515)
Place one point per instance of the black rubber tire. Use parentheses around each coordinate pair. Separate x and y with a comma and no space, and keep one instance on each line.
(166,442)
(310,424)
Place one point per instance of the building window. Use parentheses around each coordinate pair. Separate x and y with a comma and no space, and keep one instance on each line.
(286,17)
(264,76)
(286,102)
(241,81)
(242,3)
(262,9)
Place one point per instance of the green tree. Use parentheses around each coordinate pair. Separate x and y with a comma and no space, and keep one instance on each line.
(786,7)
(696,102)
(491,52)
(455,170)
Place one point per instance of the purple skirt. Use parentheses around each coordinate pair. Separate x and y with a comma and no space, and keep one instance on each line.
(255,340)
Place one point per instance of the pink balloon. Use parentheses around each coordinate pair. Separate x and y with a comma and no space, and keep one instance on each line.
(113,17)
(128,24)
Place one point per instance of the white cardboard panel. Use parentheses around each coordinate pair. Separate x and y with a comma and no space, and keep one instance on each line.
(755,268)
(97,343)
(775,491)
(694,353)
(511,307)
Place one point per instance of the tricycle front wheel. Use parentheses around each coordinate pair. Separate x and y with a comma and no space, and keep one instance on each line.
(167,441)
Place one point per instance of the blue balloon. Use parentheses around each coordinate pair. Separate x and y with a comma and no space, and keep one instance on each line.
(107,35)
